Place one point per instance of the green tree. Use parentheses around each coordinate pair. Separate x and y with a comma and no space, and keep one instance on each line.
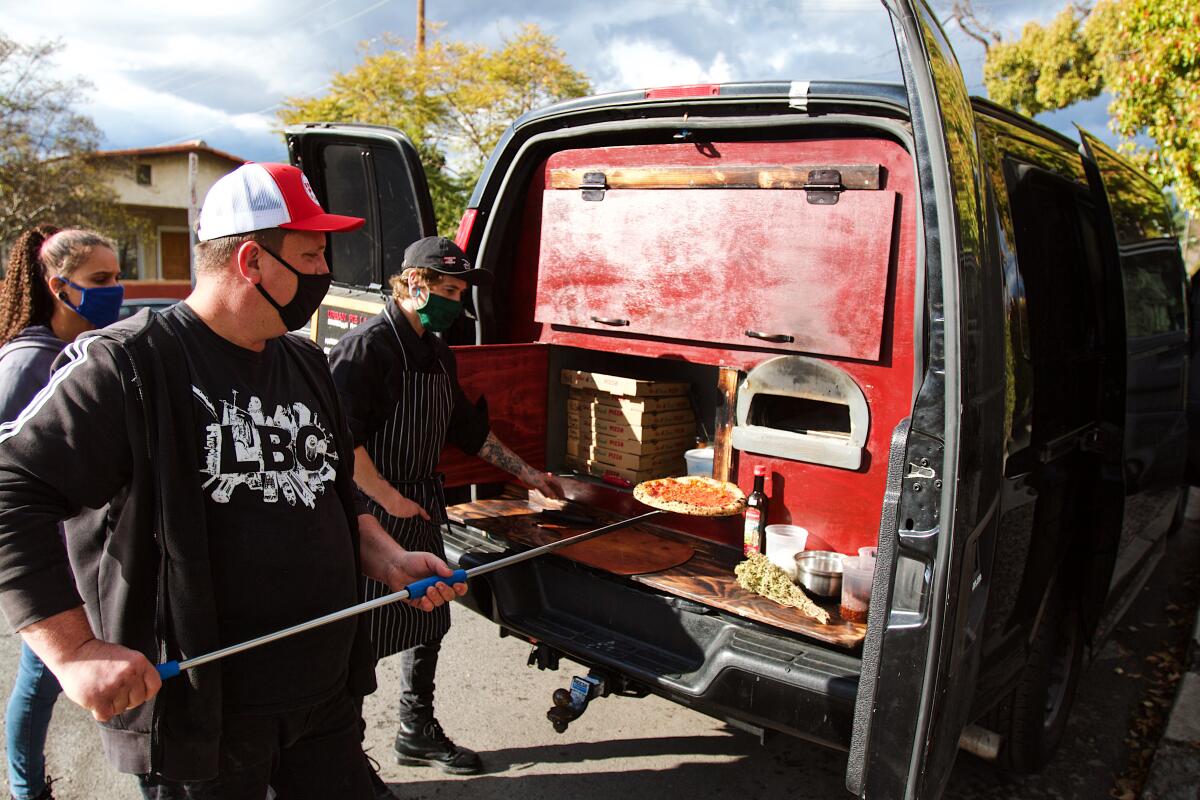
(46,174)
(453,99)
(1146,53)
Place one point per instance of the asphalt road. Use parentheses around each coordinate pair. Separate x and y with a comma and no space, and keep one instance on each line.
(491,701)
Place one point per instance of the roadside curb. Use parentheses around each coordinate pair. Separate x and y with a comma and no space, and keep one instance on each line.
(1175,771)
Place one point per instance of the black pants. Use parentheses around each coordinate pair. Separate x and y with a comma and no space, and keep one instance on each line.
(310,754)
(418,665)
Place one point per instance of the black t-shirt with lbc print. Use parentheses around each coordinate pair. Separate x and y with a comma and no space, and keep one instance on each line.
(278,537)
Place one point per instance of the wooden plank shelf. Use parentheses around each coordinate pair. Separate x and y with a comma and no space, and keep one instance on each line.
(853,176)
(707,577)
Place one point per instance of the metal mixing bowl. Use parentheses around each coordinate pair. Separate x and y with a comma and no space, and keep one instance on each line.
(820,571)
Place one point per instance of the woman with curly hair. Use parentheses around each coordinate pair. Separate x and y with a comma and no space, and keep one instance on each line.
(59,284)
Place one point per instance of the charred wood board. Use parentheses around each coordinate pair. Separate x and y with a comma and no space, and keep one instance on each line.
(706,577)
(854,176)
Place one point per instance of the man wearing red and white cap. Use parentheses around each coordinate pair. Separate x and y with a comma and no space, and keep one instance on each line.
(210,458)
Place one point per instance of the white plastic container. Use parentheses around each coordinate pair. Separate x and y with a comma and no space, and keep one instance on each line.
(699,461)
(857,573)
(783,542)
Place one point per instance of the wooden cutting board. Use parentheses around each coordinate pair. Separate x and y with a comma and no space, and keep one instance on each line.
(629,552)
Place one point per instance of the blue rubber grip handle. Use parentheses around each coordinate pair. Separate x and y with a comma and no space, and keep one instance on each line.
(167,669)
(417,589)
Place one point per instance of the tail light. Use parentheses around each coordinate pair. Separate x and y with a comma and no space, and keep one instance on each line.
(464,228)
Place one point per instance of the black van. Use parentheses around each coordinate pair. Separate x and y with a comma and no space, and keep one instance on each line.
(945,331)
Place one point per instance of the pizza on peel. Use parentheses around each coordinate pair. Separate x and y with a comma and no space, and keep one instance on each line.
(694,495)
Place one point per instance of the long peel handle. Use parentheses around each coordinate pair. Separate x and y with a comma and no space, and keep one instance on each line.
(414,591)
(417,589)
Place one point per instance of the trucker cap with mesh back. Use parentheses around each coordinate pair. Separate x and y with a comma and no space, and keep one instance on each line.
(255,197)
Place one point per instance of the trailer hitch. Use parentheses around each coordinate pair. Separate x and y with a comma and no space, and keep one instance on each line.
(570,705)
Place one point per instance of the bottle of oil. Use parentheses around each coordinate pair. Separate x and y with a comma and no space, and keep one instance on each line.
(754,533)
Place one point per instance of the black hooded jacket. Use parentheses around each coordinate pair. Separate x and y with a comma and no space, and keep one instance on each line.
(114,448)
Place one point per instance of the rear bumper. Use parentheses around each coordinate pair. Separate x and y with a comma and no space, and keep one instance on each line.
(717,664)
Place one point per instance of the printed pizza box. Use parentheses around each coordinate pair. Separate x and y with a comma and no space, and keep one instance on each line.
(623,430)
(651,420)
(597,411)
(631,414)
(628,406)
(599,469)
(633,438)
(637,463)
(616,384)
(633,446)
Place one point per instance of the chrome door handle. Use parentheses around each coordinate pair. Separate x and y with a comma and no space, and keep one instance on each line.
(616,323)
(778,338)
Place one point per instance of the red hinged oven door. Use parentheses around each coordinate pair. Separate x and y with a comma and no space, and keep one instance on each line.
(513,379)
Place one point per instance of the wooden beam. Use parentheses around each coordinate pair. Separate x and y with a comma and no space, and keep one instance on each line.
(727,384)
(854,176)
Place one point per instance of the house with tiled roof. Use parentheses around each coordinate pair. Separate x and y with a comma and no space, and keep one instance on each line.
(152,184)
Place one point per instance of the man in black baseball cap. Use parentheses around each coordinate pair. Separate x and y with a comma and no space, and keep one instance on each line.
(445,257)
(399,385)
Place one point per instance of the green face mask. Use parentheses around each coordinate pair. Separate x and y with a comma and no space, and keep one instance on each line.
(438,313)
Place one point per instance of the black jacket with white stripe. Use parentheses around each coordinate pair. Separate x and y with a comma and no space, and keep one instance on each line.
(110,445)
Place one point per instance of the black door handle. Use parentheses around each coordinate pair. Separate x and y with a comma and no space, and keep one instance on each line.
(778,338)
(616,323)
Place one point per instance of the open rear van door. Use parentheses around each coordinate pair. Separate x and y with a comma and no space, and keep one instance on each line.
(365,171)
(375,172)
(921,654)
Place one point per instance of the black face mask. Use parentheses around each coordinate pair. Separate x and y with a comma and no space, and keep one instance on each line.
(310,291)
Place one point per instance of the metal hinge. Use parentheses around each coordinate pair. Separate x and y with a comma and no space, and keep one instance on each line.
(593,186)
(823,187)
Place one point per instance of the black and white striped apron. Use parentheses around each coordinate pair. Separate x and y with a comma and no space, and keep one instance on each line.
(405,451)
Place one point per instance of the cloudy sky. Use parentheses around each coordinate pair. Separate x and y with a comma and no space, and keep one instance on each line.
(165,72)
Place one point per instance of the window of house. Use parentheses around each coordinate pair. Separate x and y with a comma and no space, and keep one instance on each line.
(143,174)
(129,254)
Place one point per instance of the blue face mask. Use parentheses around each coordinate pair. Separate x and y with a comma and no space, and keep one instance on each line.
(99,305)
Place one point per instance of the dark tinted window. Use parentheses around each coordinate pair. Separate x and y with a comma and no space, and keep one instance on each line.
(397,206)
(347,191)
(1058,255)
(392,224)
(1154,292)
(1138,209)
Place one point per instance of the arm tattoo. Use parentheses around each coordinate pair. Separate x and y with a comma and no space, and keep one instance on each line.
(495,453)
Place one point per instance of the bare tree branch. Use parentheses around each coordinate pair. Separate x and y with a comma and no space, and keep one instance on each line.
(963,14)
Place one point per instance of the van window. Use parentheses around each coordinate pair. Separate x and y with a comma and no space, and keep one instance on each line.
(1058,255)
(351,255)
(1153,293)
(397,206)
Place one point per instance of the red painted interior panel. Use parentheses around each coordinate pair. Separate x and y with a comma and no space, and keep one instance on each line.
(513,377)
(816,273)
(841,508)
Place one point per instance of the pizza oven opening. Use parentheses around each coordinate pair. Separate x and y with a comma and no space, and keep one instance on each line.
(803,409)
(800,415)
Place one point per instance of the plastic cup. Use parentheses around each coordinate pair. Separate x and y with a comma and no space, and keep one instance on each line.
(783,542)
(857,573)
(699,461)
(868,553)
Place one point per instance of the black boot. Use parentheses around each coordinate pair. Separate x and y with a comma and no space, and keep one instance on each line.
(426,743)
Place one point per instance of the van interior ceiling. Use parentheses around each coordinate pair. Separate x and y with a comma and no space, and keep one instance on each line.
(586,284)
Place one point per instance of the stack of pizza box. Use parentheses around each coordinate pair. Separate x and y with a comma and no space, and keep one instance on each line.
(632,429)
